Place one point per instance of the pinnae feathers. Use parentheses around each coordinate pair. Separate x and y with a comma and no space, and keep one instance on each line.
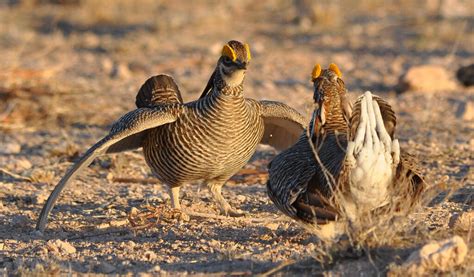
(240,50)
(158,90)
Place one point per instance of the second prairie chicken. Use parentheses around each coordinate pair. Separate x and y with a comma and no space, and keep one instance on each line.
(208,139)
(354,154)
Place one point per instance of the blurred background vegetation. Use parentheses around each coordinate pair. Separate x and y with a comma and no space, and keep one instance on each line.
(100,46)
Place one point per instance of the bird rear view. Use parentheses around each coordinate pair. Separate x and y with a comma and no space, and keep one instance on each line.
(209,139)
(347,165)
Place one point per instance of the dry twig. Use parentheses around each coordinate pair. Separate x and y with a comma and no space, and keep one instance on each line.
(277,268)
(14,175)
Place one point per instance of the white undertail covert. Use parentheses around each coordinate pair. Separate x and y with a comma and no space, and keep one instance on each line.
(372,158)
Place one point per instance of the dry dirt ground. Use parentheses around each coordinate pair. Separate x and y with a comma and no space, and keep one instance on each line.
(68,71)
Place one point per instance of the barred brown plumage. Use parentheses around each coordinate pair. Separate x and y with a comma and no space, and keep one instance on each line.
(160,89)
(208,139)
(306,181)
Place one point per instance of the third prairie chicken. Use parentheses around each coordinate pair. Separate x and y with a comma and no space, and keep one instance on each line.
(356,155)
(208,139)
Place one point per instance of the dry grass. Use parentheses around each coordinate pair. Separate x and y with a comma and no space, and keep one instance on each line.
(68,71)
(396,226)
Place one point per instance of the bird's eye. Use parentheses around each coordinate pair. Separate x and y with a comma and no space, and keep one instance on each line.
(227,60)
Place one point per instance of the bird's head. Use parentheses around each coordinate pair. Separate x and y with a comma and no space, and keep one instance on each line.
(328,87)
(233,62)
(326,81)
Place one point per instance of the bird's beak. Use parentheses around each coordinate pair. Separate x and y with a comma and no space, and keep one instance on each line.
(241,65)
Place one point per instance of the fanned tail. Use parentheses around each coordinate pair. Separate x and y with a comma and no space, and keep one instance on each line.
(158,90)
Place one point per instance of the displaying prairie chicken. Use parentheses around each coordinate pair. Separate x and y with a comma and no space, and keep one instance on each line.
(358,166)
(208,139)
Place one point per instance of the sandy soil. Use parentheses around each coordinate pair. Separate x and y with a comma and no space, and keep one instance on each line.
(68,71)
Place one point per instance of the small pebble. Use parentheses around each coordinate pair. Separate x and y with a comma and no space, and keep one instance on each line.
(241,198)
(11,148)
(272,226)
(150,255)
(59,246)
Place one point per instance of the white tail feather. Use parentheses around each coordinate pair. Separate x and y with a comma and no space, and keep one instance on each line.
(371,157)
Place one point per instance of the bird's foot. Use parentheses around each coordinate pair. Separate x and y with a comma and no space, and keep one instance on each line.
(223,205)
(229,211)
(180,215)
(153,215)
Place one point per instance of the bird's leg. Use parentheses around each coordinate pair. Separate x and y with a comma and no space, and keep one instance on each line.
(174,195)
(224,207)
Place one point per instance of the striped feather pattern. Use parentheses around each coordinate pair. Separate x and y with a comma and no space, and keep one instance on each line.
(160,89)
(211,140)
(297,182)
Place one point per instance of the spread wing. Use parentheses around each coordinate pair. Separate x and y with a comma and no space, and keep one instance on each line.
(156,91)
(283,124)
(131,125)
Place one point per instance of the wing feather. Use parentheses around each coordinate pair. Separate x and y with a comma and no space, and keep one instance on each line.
(283,124)
(132,123)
